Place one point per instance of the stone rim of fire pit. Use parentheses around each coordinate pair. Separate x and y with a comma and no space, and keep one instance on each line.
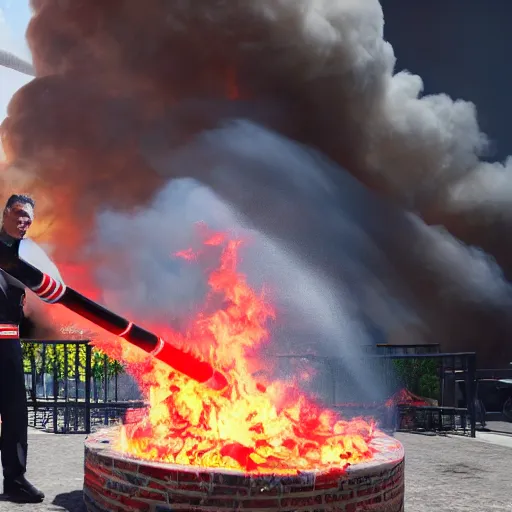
(115,480)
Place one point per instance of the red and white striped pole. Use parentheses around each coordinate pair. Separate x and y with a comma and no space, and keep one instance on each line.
(53,291)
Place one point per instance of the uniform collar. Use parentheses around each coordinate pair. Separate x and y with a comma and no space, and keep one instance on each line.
(7,239)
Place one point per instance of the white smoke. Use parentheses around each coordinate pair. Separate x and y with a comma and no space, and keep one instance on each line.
(144,279)
(312,242)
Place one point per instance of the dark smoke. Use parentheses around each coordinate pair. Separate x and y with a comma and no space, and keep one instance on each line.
(122,84)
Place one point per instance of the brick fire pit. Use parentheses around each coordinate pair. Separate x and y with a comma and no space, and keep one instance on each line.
(117,483)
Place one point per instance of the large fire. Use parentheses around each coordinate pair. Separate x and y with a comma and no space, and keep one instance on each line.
(253,426)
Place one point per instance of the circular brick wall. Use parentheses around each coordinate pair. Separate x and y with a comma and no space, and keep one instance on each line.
(117,483)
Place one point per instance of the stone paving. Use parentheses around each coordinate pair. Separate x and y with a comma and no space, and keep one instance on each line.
(442,473)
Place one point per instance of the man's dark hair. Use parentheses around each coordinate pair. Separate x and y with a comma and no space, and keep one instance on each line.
(20,198)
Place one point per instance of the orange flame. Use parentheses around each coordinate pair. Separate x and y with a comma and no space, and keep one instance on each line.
(253,426)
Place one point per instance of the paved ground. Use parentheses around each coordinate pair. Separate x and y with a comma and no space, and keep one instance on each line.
(458,474)
(498,426)
(442,473)
(55,465)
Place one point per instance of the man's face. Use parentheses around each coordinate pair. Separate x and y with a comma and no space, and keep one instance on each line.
(17,219)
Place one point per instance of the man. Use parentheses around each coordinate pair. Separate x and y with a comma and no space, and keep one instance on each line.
(18,216)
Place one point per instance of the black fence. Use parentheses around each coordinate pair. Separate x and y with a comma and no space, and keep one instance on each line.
(406,349)
(440,388)
(454,408)
(71,387)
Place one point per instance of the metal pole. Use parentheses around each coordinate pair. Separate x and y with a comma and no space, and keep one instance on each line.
(77,383)
(471,395)
(33,370)
(55,389)
(88,371)
(66,402)
(105,388)
(43,369)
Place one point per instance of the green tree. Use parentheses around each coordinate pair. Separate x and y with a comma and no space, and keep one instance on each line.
(63,359)
(420,376)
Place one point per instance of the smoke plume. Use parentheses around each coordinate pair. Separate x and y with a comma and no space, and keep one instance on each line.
(128,96)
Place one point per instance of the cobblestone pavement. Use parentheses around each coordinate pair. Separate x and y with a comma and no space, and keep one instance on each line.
(442,474)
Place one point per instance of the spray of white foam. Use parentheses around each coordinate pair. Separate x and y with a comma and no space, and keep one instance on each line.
(321,254)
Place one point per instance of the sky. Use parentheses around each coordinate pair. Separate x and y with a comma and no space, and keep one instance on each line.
(14,17)
(456,46)
(462,48)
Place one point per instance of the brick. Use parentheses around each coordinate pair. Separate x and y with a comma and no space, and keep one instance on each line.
(94,479)
(101,501)
(227,490)
(231,480)
(151,484)
(190,477)
(115,484)
(296,489)
(327,481)
(342,496)
(367,491)
(121,487)
(151,495)
(158,473)
(394,493)
(131,504)
(261,504)
(139,481)
(299,480)
(185,499)
(126,466)
(275,490)
(305,501)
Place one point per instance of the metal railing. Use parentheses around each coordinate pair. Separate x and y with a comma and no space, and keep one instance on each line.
(71,388)
(453,407)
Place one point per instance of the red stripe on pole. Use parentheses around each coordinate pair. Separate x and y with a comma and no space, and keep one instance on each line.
(50,290)
(44,284)
(56,295)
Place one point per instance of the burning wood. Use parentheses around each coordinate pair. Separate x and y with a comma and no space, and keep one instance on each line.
(280,431)
(253,426)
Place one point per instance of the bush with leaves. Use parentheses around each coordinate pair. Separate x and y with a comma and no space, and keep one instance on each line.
(420,376)
(61,359)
